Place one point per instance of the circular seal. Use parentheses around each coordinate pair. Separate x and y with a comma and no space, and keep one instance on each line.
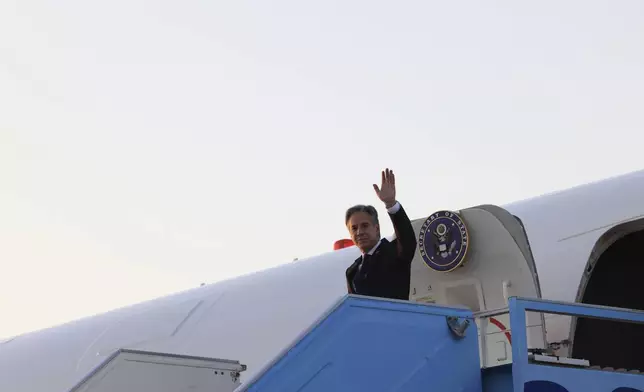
(443,241)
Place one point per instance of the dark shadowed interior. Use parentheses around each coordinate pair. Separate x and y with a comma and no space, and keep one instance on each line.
(617,280)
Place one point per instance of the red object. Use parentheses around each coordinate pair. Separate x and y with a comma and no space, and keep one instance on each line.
(502,328)
(341,244)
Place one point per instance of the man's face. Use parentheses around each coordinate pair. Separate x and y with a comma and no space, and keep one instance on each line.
(364,233)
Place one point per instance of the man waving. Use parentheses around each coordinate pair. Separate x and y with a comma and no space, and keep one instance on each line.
(384,268)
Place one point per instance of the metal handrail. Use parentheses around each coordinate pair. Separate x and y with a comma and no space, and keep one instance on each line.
(491,312)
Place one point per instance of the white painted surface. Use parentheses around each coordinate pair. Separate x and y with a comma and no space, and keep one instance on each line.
(154,372)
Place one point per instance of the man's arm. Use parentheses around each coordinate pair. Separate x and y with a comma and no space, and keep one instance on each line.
(405,235)
(406,238)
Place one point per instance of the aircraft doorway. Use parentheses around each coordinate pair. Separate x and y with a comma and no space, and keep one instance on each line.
(615,279)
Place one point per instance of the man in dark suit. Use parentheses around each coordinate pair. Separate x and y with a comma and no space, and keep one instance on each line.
(384,268)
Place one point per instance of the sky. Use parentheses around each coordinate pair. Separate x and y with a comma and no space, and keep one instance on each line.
(149,147)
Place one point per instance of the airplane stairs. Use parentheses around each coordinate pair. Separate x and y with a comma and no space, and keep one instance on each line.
(368,344)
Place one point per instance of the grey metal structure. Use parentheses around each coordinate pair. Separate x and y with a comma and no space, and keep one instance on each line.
(144,371)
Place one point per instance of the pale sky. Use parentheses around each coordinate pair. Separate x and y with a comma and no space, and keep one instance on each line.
(147,147)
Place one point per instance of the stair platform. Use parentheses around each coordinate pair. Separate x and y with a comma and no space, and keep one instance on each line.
(370,344)
(367,344)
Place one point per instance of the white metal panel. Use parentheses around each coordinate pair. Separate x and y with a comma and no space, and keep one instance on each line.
(494,257)
(140,371)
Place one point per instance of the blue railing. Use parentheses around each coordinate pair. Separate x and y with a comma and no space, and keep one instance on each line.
(368,344)
(529,376)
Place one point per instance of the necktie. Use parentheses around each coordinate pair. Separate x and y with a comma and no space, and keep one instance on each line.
(364,266)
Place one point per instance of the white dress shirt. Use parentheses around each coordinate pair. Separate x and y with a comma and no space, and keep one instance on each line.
(391,210)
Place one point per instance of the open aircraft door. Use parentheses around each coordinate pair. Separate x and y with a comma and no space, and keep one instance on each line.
(478,258)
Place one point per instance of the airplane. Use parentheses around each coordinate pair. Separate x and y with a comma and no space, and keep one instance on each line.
(583,244)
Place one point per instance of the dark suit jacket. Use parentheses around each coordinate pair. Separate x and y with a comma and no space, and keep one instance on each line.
(387,272)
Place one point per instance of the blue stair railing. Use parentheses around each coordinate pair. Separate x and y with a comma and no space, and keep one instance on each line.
(532,376)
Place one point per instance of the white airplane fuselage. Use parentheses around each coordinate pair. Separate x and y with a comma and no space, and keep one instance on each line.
(253,317)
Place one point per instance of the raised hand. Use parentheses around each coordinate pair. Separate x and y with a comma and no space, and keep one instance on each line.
(387,190)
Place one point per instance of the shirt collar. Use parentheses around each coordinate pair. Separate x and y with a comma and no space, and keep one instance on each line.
(374,248)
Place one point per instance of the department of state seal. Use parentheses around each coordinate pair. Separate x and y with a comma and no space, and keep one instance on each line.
(443,241)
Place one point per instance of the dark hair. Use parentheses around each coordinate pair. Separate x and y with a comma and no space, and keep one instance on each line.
(362,208)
